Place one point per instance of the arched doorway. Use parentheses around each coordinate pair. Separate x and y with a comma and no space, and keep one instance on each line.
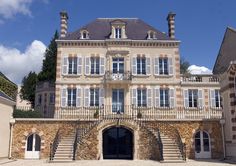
(33,146)
(202,145)
(117,143)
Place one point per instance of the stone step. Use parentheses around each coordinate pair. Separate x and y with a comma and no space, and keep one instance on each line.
(171,155)
(63,155)
(171,152)
(64,151)
(172,161)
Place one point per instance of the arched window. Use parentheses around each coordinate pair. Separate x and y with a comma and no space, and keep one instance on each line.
(33,147)
(202,145)
(84,34)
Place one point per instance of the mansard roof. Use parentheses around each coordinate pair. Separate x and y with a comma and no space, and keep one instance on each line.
(100,29)
(227,53)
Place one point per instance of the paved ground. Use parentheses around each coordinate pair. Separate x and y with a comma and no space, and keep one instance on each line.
(6,162)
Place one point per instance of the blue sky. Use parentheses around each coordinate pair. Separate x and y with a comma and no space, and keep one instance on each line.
(200,24)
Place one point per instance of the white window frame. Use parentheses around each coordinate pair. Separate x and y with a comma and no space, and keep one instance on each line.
(74,63)
(164,96)
(142,60)
(217,96)
(94,97)
(192,98)
(142,94)
(118,32)
(96,65)
(72,97)
(162,69)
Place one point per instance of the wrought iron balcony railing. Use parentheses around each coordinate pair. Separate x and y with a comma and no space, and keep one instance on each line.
(110,76)
(132,112)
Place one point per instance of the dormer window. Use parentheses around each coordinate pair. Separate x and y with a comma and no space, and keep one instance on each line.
(118,29)
(117,33)
(151,35)
(84,34)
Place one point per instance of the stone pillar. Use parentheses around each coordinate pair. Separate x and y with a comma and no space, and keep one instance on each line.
(171,24)
(64,18)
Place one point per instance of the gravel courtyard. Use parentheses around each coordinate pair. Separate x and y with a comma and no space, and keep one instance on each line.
(112,163)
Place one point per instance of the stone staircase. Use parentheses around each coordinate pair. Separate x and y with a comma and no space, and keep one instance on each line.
(170,149)
(64,151)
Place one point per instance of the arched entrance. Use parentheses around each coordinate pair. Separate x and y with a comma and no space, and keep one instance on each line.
(202,145)
(117,143)
(33,146)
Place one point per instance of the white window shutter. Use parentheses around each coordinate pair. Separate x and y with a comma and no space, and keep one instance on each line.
(79,65)
(156,66)
(157,97)
(65,65)
(172,97)
(86,97)
(186,99)
(134,65)
(148,65)
(134,96)
(170,63)
(200,98)
(64,95)
(149,97)
(212,98)
(78,97)
(102,65)
(87,65)
(101,96)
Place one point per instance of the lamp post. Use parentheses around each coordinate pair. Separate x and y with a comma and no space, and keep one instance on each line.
(222,122)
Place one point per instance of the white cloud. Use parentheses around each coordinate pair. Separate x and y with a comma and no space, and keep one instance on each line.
(15,64)
(194,69)
(9,8)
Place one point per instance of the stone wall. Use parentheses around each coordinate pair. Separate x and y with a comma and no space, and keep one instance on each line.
(145,143)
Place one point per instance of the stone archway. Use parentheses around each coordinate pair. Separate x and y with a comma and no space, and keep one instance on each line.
(117,143)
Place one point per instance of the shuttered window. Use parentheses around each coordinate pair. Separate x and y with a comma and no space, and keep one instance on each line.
(72,65)
(192,98)
(71,97)
(94,96)
(164,97)
(142,97)
(163,66)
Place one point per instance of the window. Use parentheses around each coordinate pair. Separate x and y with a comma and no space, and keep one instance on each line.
(142,97)
(117,33)
(39,99)
(163,66)
(141,65)
(84,35)
(94,97)
(118,65)
(217,98)
(193,98)
(52,98)
(164,98)
(72,65)
(95,65)
(71,97)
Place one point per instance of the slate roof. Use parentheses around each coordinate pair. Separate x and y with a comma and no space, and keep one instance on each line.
(100,29)
(227,52)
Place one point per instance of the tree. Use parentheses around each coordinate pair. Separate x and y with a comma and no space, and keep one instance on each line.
(184,64)
(28,87)
(48,72)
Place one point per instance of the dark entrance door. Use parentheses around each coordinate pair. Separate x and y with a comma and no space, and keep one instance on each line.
(117,143)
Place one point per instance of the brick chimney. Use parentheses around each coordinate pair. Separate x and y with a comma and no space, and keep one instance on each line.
(64,18)
(171,24)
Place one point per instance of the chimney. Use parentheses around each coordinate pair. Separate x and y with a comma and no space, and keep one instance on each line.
(64,18)
(171,24)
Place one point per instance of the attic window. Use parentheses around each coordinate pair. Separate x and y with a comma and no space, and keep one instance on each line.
(151,35)
(117,33)
(84,34)
(118,29)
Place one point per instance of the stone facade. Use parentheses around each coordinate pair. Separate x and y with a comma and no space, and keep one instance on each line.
(90,147)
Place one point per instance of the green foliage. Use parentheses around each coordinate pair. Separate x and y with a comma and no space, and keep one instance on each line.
(184,64)
(28,87)
(48,72)
(8,87)
(26,114)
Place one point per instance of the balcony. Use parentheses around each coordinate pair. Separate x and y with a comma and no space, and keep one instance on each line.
(134,113)
(117,77)
(199,79)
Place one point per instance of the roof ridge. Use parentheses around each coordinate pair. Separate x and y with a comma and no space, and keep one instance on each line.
(231,28)
(114,18)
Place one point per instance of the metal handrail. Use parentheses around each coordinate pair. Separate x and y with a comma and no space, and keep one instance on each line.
(53,145)
(75,144)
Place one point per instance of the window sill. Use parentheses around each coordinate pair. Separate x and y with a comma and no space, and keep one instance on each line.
(72,75)
(94,75)
(164,76)
(141,75)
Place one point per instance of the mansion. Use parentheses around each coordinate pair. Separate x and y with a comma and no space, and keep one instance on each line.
(119,94)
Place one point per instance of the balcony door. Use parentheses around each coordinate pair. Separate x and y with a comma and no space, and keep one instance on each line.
(118,100)
(33,146)
(202,145)
(118,65)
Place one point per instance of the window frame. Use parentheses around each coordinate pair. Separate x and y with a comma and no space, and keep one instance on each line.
(141,97)
(163,66)
(141,65)
(94,65)
(72,65)
(193,98)
(164,98)
(71,97)
(118,32)
(94,97)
